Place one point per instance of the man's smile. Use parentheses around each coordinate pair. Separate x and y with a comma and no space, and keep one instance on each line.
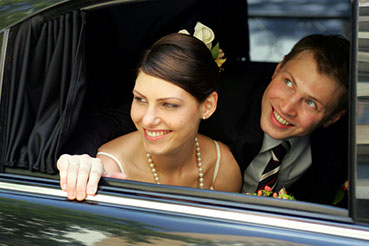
(280,119)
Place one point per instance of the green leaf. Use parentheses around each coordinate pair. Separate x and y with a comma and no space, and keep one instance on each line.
(215,51)
(339,196)
(267,193)
(288,197)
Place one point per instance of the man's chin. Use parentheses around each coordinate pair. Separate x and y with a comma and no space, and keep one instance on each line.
(278,135)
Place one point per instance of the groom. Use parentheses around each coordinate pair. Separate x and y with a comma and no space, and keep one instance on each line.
(305,103)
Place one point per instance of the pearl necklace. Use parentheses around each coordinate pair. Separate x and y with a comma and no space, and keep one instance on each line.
(199,164)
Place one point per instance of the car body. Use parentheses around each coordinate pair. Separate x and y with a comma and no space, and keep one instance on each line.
(35,211)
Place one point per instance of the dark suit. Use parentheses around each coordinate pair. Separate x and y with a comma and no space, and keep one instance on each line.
(237,123)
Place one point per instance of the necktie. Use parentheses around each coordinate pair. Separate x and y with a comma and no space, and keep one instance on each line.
(270,173)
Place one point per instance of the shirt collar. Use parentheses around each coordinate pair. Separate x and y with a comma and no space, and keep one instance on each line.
(269,143)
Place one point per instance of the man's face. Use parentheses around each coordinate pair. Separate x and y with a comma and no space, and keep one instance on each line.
(299,99)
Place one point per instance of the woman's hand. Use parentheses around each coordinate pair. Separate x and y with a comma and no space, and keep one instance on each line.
(80,175)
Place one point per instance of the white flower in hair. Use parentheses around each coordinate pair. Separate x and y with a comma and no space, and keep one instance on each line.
(203,33)
(184,31)
(206,35)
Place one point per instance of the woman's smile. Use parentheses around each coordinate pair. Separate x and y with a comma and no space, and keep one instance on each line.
(154,135)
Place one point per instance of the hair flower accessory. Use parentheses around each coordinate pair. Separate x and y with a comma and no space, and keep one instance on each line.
(206,35)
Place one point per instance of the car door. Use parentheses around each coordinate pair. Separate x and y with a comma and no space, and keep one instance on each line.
(48,95)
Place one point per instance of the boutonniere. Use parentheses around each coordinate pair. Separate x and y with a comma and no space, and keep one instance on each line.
(267,191)
(206,35)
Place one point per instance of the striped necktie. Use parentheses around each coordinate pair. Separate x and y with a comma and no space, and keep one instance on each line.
(270,173)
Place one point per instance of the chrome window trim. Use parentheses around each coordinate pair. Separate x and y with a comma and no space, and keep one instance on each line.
(341,230)
(2,58)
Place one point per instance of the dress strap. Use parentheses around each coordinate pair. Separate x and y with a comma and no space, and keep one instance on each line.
(114,158)
(216,169)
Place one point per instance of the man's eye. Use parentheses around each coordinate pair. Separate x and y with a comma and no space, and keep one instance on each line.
(170,105)
(140,99)
(311,103)
(289,83)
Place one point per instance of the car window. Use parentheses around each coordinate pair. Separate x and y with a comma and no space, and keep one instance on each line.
(275,26)
(13,11)
(269,41)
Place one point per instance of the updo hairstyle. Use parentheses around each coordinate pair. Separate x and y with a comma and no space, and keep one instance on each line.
(185,61)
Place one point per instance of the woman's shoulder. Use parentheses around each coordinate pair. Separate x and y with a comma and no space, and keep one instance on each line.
(229,176)
(210,143)
(121,144)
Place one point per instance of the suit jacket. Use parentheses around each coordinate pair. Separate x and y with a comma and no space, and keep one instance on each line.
(236,122)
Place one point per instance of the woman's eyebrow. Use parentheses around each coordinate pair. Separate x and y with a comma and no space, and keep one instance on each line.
(159,99)
(137,92)
(168,98)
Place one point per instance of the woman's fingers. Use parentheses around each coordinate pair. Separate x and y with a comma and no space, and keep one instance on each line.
(85,162)
(79,175)
(62,166)
(72,174)
(96,172)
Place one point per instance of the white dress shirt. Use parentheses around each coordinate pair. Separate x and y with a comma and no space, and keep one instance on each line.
(294,164)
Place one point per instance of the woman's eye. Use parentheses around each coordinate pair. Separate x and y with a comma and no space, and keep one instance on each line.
(311,103)
(289,83)
(170,105)
(140,99)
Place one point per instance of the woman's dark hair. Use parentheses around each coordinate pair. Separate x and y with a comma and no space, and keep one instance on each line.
(185,61)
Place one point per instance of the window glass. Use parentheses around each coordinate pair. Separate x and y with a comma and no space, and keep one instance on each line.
(12,11)
(275,26)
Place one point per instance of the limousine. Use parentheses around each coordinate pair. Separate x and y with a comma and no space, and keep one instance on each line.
(58,56)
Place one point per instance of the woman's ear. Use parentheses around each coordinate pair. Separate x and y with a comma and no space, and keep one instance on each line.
(209,106)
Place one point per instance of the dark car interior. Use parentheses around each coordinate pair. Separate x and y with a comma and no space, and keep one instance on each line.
(68,81)
(77,70)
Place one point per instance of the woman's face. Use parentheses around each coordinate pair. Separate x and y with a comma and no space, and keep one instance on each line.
(166,115)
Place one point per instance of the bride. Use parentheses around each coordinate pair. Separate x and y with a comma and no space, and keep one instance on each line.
(175,89)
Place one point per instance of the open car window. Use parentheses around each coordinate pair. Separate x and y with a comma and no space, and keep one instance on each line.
(275,26)
(56,63)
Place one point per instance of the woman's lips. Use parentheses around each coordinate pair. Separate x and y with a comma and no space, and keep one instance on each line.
(153,135)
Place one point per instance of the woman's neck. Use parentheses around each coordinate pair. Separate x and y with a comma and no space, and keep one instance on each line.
(177,160)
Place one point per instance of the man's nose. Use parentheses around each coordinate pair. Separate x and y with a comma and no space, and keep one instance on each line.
(289,106)
(151,117)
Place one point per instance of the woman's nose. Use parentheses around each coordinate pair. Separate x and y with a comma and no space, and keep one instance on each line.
(151,117)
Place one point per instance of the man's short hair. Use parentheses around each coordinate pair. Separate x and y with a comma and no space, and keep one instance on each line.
(331,53)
